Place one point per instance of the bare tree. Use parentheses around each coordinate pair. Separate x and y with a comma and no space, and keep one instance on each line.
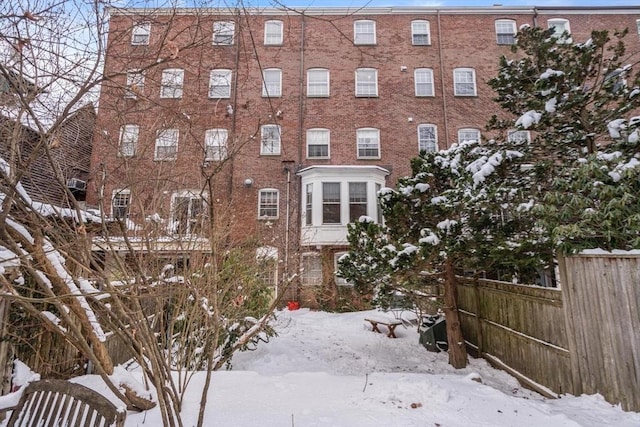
(162,275)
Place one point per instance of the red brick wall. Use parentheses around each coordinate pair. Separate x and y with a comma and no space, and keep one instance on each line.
(459,38)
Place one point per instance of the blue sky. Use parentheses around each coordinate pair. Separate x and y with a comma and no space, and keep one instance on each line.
(445,3)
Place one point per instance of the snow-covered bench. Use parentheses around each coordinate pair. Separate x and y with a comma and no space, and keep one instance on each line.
(390,323)
(61,403)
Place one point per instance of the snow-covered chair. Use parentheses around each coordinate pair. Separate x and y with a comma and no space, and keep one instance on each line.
(49,403)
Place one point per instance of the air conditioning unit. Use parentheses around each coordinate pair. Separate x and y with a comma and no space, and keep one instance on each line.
(76,184)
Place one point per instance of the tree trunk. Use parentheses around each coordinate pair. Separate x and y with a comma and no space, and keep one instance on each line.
(457,349)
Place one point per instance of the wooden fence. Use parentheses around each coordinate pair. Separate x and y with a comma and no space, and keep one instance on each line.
(602,307)
(520,329)
(583,338)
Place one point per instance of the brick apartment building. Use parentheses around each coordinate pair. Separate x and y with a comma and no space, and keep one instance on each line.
(286,123)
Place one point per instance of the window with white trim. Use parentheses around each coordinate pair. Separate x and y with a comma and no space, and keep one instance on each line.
(128,140)
(120,203)
(468,134)
(420,33)
(135,84)
(335,195)
(171,84)
(268,203)
(331,203)
(187,213)
(423,81)
(220,84)
(167,144)
(561,29)
(505,31)
(308,204)
(223,33)
(273,32)
(340,281)
(141,33)
(318,143)
(270,139)
(271,82)
(357,200)
(519,135)
(215,141)
(366,82)
(464,82)
(638,26)
(368,143)
(311,269)
(267,257)
(364,32)
(427,138)
(317,82)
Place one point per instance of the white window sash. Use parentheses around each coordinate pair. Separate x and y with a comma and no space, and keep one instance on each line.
(128,140)
(272,84)
(220,84)
(367,83)
(216,144)
(273,32)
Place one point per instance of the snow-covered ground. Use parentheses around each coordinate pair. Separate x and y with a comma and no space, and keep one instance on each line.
(327,369)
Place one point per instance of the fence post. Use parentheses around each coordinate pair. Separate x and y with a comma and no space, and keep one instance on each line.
(567,286)
(476,291)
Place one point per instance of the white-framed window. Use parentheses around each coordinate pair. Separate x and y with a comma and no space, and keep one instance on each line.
(519,135)
(357,200)
(167,144)
(188,211)
(420,33)
(638,26)
(364,32)
(318,143)
(215,141)
(368,140)
(427,138)
(270,140)
(561,29)
(340,281)
(308,204)
(468,134)
(220,84)
(272,82)
(333,196)
(223,33)
(505,31)
(331,203)
(128,140)
(120,203)
(317,82)
(171,84)
(268,203)
(311,269)
(141,33)
(464,82)
(267,257)
(366,82)
(424,81)
(273,32)
(135,84)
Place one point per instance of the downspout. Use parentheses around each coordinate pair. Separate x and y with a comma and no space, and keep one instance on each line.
(444,95)
(234,114)
(299,156)
(535,16)
(286,230)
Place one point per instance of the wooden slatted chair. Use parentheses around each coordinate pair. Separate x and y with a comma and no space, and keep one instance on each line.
(59,403)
